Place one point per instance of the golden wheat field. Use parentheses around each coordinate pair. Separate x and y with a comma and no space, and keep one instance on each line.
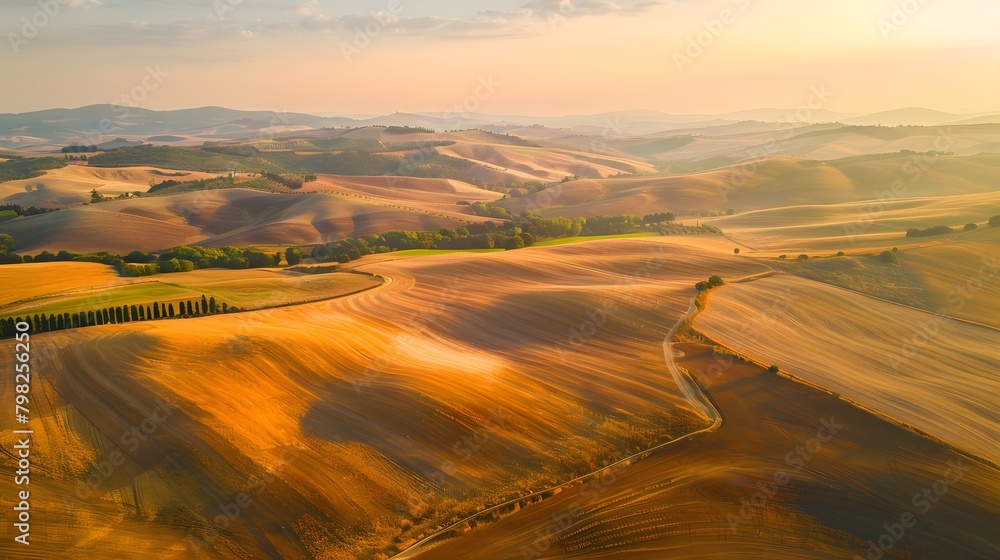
(385,385)
(484,280)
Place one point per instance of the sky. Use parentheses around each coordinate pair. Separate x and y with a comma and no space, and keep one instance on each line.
(504,57)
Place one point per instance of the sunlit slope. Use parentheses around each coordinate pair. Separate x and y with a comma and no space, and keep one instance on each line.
(771,182)
(831,140)
(73,184)
(444,197)
(745,491)
(856,225)
(360,410)
(33,280)
(220,217)
(961,278)
(535,163)
(931,373)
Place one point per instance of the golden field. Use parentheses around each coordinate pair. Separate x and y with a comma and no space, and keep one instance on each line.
(356,406)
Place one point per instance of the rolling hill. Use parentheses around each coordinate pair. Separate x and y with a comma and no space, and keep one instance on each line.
(224,217)
(768,183)
(366,421)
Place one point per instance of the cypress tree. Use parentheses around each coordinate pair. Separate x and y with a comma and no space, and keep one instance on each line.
(189,312)
(53,324)
(83,319)
(204,304)
(76,321)
(125,314)
(156,310)
(170,310)
(61,323)
(142,313)
(211,305)
(118,315)
(100,318)
(134,313)
(90,318)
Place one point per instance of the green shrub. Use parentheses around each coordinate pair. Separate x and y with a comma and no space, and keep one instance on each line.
(888,257)
(936,230)
(170,266)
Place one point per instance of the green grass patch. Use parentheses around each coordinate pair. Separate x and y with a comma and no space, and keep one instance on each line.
(283,289)
(135,294)
(582,238)
(227,287)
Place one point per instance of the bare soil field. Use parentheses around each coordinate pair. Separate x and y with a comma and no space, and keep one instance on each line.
(927,371)
(792,473)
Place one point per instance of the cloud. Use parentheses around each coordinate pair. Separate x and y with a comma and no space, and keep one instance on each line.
(572,8)
(524,21)
(307,7)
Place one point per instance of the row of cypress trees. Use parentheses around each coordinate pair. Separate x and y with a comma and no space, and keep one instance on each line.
(42,322)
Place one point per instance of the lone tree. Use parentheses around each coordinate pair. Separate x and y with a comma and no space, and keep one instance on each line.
(736,251)
(715,281)
(702,286)
(7,242)
(773,369)
(293,255)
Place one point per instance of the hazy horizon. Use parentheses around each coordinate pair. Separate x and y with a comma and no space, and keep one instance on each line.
(435,112)
(541,57)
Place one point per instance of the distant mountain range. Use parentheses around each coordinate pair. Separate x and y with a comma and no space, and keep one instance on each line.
(96,124)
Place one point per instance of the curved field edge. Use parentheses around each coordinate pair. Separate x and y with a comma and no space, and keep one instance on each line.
(894,412)
(692,392)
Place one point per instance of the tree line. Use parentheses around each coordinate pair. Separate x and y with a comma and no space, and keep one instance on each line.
(178,259)
(515,233)
(22,211)
(43,322)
